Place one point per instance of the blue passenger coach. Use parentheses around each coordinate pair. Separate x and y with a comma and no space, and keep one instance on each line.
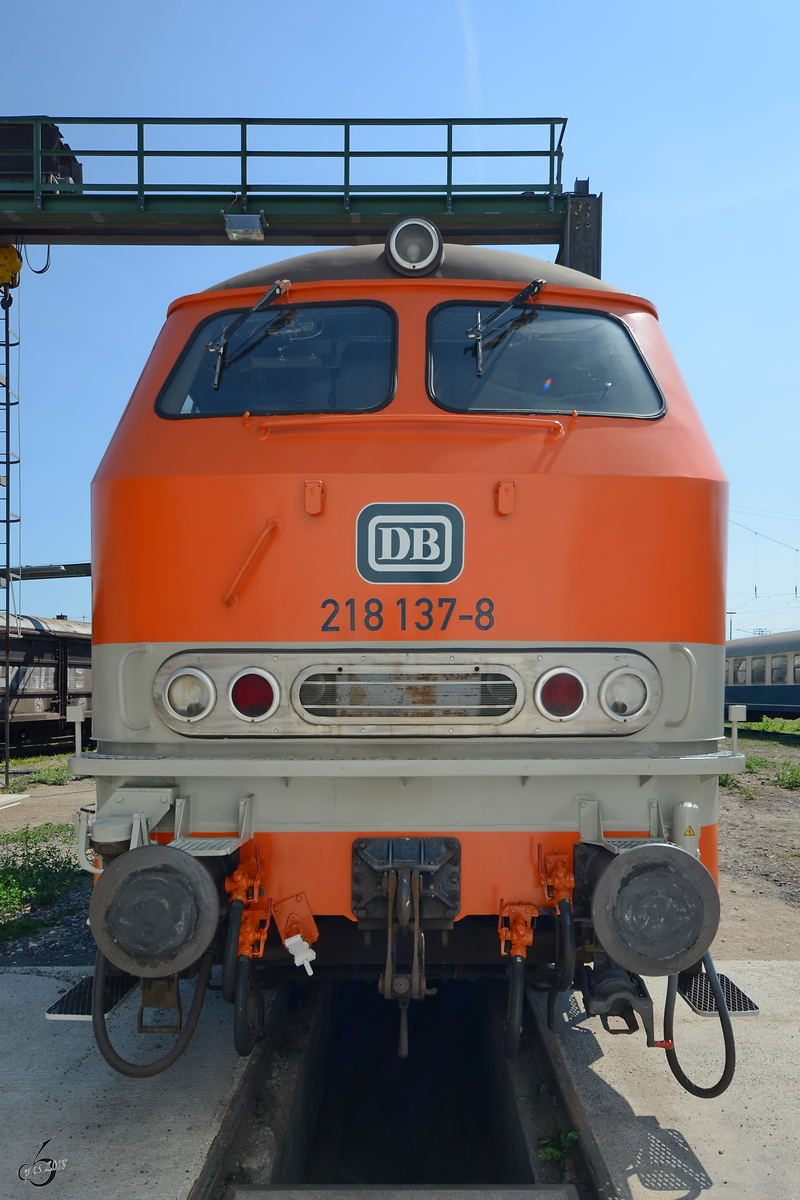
(764,673)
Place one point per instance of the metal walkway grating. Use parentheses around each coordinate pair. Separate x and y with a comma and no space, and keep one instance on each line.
(696,991)
(76,1004)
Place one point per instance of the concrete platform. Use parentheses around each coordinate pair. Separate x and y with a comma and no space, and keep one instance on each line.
(122,1139)
(659,1142)
(125,1139)
(555,1191)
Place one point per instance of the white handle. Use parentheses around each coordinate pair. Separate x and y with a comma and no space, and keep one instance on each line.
(692,661)
(81,828)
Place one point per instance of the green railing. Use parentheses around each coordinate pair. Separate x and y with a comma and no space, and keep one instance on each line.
(38,164)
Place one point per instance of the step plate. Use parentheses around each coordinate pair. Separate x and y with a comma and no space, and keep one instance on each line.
(697,993)
(76,1004)
(202,847)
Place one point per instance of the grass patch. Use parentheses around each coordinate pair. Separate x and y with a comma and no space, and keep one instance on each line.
(40,758)
(51,775)
(555,1146)
(757,762)
(732,783)
(787,775)
(47,769)
(37,866)
(773,725)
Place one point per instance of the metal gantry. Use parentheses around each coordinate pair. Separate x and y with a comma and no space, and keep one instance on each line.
(166,181)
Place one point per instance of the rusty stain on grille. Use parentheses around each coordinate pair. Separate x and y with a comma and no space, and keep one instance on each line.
(388,696)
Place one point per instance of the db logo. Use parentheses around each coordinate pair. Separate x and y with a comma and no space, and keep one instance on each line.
(410,543)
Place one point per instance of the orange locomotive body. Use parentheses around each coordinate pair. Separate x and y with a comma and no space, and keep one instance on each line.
(408,618)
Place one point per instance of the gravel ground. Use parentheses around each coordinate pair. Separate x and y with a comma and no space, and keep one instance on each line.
(760,822)
(67,942)
(759,867)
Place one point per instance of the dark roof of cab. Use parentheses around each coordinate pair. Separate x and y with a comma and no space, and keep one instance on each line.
(369,262)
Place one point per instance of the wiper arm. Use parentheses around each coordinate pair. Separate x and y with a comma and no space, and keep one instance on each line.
(279,288)
(480,327)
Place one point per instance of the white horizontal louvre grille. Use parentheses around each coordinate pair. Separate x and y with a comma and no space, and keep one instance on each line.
(387,696)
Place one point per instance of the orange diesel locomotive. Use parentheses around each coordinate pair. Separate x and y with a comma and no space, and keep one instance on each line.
(408,639)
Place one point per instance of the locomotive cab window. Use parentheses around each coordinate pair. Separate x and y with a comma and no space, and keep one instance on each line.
(535,359)
(337,358)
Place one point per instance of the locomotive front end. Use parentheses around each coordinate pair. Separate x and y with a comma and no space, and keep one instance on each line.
(408,625)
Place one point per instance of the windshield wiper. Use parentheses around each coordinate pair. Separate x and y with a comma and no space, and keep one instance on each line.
(279,288)
(480,327)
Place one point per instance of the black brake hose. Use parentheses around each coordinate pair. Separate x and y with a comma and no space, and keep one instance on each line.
(145,1070)
(566,947)
(516,999)
(231,951)
(727,1032)
(566,959)
(248,1002)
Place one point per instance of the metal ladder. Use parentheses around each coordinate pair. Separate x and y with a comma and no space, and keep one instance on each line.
(9,487)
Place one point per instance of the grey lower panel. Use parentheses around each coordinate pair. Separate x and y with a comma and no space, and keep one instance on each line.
(557,1191)
(432,803)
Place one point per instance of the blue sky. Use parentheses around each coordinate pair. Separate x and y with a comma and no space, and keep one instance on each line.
(684,115)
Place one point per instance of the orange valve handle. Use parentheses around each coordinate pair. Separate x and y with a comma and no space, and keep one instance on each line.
(248,884)
(518,932)
(558,880)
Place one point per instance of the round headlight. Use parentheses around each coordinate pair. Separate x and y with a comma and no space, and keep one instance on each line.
(253,694)
(414,247)
(189,694)
(624,694)
(560,694)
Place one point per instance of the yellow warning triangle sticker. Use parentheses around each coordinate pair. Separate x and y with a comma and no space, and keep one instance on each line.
(689,832)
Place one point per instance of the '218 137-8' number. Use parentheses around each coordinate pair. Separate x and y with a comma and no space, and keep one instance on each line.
(422,614)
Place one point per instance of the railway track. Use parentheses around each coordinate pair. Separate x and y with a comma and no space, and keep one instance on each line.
(324,1105)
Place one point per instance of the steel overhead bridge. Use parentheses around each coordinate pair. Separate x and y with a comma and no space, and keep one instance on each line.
(170,181)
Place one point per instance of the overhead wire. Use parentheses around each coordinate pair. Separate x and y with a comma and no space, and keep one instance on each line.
(776,541)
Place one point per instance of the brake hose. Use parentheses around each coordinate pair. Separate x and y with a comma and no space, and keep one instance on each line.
(566,947)
(516,997)
(566,959)
(231,952)
(145,1070)
(727,1032)
(248,1000)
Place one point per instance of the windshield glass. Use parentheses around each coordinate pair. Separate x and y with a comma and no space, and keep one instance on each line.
(537,360)
(287,359)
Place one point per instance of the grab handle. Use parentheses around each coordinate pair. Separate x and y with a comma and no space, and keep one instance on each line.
(692,661)
(143,648)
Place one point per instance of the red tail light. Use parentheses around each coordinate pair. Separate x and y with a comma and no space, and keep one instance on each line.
(561,694)
(253,694)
